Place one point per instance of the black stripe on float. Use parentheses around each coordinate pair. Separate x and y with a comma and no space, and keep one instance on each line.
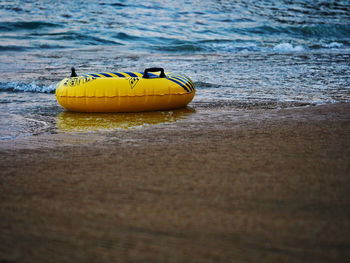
(179,83)
(187,80)
(96,76)
(184,82)
(131,74)
(118,74)
(106,75)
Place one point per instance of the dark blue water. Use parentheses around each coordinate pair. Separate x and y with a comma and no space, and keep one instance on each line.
(238,53)
(176,26)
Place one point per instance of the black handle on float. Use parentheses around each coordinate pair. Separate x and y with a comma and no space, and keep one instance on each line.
(147,70)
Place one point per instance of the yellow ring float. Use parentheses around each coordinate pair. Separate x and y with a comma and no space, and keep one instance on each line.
(125,91)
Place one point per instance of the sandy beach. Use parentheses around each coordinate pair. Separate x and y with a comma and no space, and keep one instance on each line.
(212,185)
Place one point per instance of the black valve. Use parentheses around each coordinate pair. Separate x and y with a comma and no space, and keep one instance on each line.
(73,74)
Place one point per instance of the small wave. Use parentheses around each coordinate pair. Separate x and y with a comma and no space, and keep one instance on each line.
(205,85)
(260,30)
(286,47)
(47,46)
(309,31)
(334,45)
(79,37)
(24,25)
(126,36)
(113,4)
(26,48)
(183,47)
(14,48)
(321,30)
(27,87)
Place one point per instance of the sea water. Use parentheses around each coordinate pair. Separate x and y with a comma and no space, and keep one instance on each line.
(239,53)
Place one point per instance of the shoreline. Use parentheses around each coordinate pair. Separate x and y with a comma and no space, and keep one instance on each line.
(213,185)
(80,126)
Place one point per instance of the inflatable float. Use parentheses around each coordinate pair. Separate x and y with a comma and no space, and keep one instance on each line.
(150,90)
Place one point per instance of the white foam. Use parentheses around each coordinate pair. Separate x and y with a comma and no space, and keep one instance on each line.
(334,45)
(286,47)
(27,87)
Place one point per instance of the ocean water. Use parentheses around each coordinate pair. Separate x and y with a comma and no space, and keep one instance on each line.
(239,53)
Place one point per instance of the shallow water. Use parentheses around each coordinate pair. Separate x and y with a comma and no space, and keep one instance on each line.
(238,53)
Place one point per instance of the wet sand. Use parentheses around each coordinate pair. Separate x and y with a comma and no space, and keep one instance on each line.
(219,185)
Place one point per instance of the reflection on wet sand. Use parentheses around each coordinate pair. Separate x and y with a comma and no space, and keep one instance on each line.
(81,122)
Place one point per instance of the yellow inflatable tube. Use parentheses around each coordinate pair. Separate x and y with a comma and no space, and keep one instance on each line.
(125,91)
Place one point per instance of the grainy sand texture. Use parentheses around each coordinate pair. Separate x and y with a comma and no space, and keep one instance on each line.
(216,185)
